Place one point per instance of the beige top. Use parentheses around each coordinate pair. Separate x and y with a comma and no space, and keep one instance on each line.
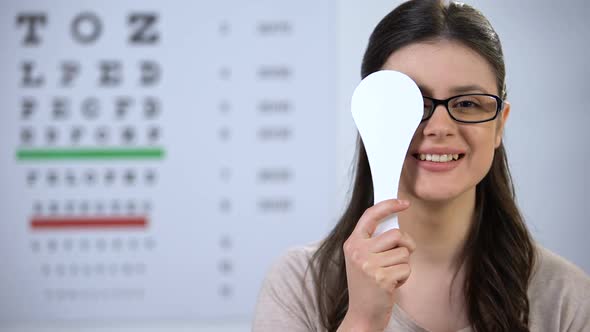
(559,295)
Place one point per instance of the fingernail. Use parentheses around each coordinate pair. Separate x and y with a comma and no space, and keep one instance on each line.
(403,202)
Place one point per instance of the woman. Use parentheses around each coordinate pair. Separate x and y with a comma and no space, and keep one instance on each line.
(462,259)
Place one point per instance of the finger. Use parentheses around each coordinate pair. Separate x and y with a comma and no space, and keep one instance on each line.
(393,276)
(374,215)
(399,255)
(374,262)
(391,239)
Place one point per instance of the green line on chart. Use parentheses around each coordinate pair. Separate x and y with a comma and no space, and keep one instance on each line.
(89,153)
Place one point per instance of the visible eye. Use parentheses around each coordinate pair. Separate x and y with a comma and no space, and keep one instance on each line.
(465,104)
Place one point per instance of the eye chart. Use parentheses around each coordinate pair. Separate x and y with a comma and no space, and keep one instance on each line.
(156,157)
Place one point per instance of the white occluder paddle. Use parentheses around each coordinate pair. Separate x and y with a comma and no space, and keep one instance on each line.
(387,107)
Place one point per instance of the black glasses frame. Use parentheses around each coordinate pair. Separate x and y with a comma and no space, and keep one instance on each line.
(445,102)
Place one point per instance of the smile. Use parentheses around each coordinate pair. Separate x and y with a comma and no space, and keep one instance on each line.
(439,158)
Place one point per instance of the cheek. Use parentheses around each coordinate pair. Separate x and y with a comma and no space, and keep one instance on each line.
(482,144)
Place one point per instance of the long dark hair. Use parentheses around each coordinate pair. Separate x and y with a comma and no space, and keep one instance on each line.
(498,254)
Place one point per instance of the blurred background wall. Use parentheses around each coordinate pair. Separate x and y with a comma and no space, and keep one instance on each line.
(156,157)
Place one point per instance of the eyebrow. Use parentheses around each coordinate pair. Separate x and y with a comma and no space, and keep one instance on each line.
(457,89)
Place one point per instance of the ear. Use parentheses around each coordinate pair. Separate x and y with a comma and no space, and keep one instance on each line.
(503,118)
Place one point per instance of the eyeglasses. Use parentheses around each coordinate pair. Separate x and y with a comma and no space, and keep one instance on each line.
(468,108)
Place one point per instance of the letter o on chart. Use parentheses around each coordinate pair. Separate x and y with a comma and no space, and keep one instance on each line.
(86,28)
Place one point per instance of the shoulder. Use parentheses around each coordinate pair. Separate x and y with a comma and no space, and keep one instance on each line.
(559,292)
(295,261)
(287,297)
(552,270)
(291,272)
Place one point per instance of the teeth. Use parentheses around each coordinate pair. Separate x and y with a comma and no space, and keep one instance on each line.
(439,158)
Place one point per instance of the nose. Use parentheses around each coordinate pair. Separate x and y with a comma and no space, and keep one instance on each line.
(440,123)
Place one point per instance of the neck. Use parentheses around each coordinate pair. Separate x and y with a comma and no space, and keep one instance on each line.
(439,229)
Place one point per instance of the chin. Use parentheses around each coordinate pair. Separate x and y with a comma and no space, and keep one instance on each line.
(435,197)
(436,193)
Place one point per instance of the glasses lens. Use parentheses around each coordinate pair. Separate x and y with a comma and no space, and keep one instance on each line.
(427,108)
(473,107)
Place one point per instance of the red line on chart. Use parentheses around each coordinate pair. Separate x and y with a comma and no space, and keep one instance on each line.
(88,222)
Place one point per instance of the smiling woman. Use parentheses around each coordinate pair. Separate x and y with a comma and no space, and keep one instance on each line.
(463,259)
(448,67)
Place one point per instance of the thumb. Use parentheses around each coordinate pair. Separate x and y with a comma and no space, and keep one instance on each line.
(374,215)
